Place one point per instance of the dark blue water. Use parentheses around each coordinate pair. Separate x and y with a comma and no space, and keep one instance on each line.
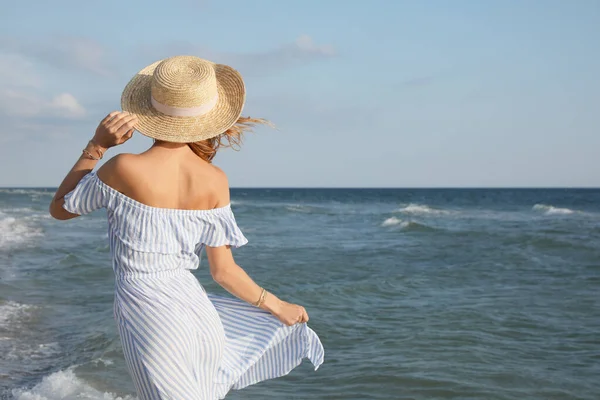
(416,294)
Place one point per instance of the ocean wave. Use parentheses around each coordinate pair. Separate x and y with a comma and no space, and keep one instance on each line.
(285,206)
(13,313)
(423,209)
(27,192)
(405,225)
(16,231)
(392,221)
(26,213)
(19,210)
(15,343)
(103,361)
(551,210)
(64,385)
(300,208)
(18,351)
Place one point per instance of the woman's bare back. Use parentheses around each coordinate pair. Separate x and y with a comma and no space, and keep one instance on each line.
(167,175)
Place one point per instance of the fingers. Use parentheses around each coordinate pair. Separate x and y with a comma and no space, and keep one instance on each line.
(125,125)
(113,118)
(127,136)
(303,317)
(109,117)
(295,314)
(119,120)
(121,125)
(116,128)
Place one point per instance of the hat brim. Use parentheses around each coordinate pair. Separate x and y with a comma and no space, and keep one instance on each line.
(154,124)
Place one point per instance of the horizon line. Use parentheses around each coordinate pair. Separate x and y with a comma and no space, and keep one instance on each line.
(54,188)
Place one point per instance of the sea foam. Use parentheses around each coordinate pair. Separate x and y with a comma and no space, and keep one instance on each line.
(16,231)
(421,209)
(63,385)
(12,312)
(31,192)
(551,210)
(406,225)
(392,221)
(16,343)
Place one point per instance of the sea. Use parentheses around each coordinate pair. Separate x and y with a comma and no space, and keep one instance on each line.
(415,293)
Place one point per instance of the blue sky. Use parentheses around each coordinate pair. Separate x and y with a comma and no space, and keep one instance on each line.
(364,94)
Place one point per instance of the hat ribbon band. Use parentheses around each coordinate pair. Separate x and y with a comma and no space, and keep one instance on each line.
(184,111)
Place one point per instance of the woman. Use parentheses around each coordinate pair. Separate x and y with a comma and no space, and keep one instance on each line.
(164,207)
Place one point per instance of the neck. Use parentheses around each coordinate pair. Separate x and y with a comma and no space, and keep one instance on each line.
(168,145)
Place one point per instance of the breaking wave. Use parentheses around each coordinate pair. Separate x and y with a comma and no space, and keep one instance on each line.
(551,210)
(16,231)
(422,209)
(405,225)
(35,192)
(392,221)
(64,385)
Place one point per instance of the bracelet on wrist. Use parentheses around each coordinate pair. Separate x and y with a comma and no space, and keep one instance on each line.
(261,299)
(89,155)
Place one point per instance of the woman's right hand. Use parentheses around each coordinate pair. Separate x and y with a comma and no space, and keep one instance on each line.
(116,128)
(291,314)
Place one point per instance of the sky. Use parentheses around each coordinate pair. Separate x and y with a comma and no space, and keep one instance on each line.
(502,93)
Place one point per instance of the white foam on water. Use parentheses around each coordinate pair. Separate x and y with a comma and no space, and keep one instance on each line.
(64,385)
(298,208)
(27,192)
(13,314)
(422,209)
(393,221)
(16,232)
(16,344)
(103,361)
(551,210)
(19,210)
(15,349)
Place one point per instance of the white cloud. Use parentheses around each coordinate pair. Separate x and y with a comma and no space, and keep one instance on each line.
(22,90)
(306,43)
(66,104)
(26,104)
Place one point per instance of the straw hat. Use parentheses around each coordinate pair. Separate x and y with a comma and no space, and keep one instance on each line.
(185,99)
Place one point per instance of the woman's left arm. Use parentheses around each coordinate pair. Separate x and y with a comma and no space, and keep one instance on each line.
(116,128)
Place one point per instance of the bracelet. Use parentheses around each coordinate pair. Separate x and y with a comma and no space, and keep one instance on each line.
(261,300)
(90,155)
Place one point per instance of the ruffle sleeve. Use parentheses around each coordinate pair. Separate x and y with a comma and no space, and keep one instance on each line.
(88,196)
(222,229)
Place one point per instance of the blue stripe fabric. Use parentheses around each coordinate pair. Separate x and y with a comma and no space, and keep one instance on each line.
(180,342)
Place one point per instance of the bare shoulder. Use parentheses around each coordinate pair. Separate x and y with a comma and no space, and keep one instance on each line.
(221,184)
(220,175)
(117,171)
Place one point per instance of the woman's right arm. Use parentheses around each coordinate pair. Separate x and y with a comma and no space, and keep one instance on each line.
(236,281)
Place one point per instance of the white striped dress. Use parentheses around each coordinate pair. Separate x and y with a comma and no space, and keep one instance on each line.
(180,342)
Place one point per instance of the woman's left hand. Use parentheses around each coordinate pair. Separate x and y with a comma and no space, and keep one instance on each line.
(290,314)
(115,129)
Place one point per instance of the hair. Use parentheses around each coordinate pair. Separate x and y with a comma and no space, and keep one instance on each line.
(232,137)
